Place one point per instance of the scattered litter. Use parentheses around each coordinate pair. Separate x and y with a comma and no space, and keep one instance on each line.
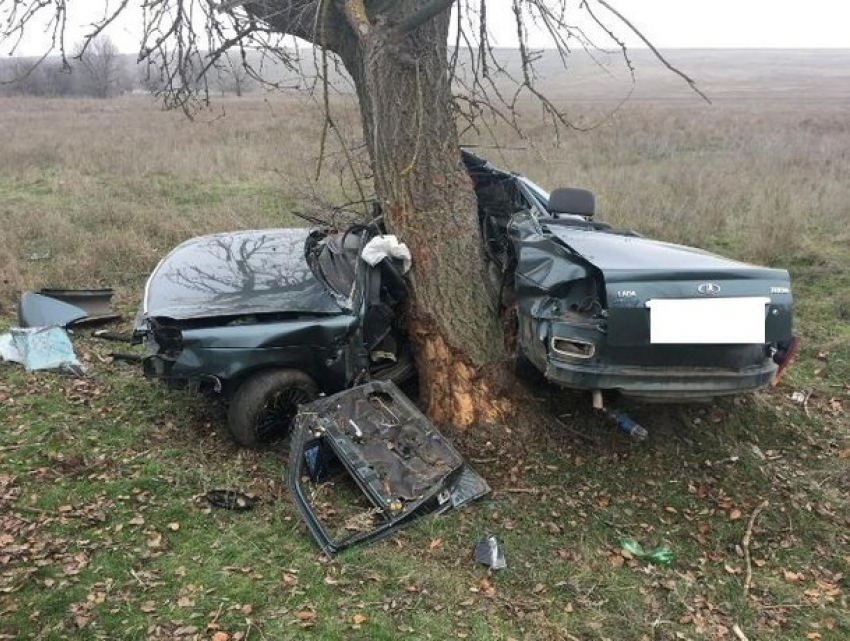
(798,397)
(36,256)
(489,553)
(230,500)
(627,425)
(756,450)
(386,246)
(8,351)
(46,348)
(661,555)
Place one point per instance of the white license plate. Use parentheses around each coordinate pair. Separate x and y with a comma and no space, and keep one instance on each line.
(709,321)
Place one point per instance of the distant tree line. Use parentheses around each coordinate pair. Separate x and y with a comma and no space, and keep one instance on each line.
(98,70)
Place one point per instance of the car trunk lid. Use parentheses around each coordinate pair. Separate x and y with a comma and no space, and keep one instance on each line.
(662,293)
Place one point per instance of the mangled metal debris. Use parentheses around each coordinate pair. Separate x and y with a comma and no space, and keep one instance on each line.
(65,307)
(488,552)
(366,462)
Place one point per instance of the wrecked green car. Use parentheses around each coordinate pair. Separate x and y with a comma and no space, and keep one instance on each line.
(270,318)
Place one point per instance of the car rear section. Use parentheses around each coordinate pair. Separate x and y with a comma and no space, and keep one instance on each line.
(601,310)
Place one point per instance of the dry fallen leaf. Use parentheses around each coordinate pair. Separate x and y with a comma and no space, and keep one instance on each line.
(221,636)
(486,587)
(305,615)
(616,560)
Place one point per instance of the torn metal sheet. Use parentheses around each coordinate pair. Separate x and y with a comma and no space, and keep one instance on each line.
(37,310)
(97,303)
(488,552)
(65,307)
(398,467)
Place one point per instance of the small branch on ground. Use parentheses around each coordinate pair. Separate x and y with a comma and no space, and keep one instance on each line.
(746,545)
(739,634)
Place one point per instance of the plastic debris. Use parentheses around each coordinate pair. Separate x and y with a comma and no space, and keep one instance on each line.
(46,348)
(488,552)
(627,425)
(798,397)
(386,246)
(662,555)
(8,351)
(230,500)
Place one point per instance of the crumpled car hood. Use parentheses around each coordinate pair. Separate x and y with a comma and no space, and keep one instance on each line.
(237,273)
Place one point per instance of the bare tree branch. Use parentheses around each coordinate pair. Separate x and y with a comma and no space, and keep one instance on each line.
(183,40)
(691,82)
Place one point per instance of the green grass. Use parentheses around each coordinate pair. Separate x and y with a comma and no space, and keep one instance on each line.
(103,483)
(104,532)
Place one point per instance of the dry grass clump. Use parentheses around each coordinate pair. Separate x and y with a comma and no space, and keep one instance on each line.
(763,184)
(94,192)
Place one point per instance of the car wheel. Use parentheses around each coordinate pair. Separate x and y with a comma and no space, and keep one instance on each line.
(264,405)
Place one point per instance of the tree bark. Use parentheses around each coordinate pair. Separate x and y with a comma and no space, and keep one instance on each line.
(428,201)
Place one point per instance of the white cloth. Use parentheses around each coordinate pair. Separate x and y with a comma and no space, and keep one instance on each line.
(386,246)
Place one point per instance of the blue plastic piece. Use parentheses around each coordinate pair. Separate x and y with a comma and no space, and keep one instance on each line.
(627,425)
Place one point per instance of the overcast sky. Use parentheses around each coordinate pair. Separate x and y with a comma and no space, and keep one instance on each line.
(741,23)
(667,23)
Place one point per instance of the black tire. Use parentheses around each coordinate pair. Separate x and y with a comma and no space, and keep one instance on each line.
(264,405)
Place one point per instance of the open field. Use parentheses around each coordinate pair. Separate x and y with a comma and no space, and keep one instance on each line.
(102,533)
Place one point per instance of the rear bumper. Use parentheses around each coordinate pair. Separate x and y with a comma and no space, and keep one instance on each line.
(661,383)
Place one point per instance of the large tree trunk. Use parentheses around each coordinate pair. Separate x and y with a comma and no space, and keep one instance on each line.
(428,201)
